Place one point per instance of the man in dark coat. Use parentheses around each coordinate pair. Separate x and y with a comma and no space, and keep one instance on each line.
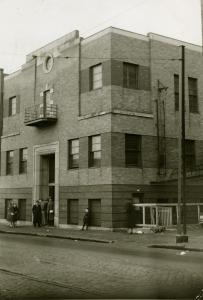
(131,217)
(37,214)
(14,214)
(50,212)
(86,219)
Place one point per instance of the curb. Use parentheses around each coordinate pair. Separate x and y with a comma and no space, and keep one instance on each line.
(59,237)
(176,247)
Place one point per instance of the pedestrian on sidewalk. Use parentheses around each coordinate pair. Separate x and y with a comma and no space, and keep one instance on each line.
(37,214)
(9,213)
(131,217)
(13,211)
(86,219)
(44,211)
(50,212)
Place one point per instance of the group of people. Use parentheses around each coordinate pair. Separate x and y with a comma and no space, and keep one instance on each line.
(12,214)
(43,213)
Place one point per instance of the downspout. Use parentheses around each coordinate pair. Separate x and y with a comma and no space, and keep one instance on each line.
(35,76)
(79,77)
(1,107)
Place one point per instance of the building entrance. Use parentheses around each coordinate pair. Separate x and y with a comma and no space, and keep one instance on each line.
(47,176)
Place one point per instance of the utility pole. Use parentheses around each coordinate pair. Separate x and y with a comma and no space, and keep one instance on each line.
(181,236)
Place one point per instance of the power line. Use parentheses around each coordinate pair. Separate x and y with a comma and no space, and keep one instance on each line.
(113,17)
(104,57)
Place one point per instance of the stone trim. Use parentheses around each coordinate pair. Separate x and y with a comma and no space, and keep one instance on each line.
(117,111)
(10,135)
(44,149)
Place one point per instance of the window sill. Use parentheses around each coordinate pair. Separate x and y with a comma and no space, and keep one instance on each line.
(100,88)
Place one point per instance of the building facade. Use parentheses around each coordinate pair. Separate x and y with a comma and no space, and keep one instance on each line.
(94,123)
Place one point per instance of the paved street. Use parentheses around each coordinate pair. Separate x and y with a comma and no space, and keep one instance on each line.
(35,267)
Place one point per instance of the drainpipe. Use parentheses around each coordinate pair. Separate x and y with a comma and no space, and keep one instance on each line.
(1,107)
(79,77)
(35,76)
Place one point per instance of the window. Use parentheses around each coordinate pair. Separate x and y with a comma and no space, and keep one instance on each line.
(193,96)
(176,91)
(12,106)
(23,161)
(9,162)
(190,154)
(95,151)
(96,77)
(130,76)
(133,150)
(74,154)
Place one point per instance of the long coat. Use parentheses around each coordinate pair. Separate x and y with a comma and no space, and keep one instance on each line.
(37,213)
(50,211)
(131,215)
(13,213)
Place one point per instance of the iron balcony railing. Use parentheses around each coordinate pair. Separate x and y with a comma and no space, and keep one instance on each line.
(40,113)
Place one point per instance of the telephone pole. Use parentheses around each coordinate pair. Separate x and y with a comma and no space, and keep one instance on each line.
(181,236)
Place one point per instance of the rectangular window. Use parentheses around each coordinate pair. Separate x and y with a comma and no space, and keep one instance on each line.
(96,77)
(176,91)
(133,150)
(193,95)
(9,162)
(74,154)
(190,155)
(23,161)
(95,151)
(130,76)
(12,106)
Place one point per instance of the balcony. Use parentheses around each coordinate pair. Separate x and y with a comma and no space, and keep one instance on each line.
(40,115)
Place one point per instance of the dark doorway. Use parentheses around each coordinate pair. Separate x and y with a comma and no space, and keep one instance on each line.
(22,209)
(7,202)
(73,211)
(95,212)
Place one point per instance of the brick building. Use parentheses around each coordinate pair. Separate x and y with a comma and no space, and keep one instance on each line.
(94,123)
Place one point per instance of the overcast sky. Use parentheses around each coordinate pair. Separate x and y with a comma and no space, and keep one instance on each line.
(26,25)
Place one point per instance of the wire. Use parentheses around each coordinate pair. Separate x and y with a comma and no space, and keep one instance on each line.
(113,17)
(116,58)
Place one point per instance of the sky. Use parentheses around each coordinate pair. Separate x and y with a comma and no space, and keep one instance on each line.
(26,25)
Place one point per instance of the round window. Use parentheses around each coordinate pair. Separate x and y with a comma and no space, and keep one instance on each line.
(48,63)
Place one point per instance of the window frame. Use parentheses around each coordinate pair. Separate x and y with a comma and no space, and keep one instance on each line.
(193,95)
(92,77)
(11,106)
(190,153)
(9,162)
(93,161)
(128,81)
(23,161)
(71,165)
(176,91)
(137,150)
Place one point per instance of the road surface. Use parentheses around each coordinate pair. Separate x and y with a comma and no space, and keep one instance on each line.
(41,268)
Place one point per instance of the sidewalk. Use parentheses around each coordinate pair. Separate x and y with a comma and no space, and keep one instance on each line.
(146,239)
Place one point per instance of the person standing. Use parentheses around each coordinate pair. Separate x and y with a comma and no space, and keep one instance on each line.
(9,210)
(13,214)
(37,214)
(86,219)
(50,212)
(44,212)
(131,217)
